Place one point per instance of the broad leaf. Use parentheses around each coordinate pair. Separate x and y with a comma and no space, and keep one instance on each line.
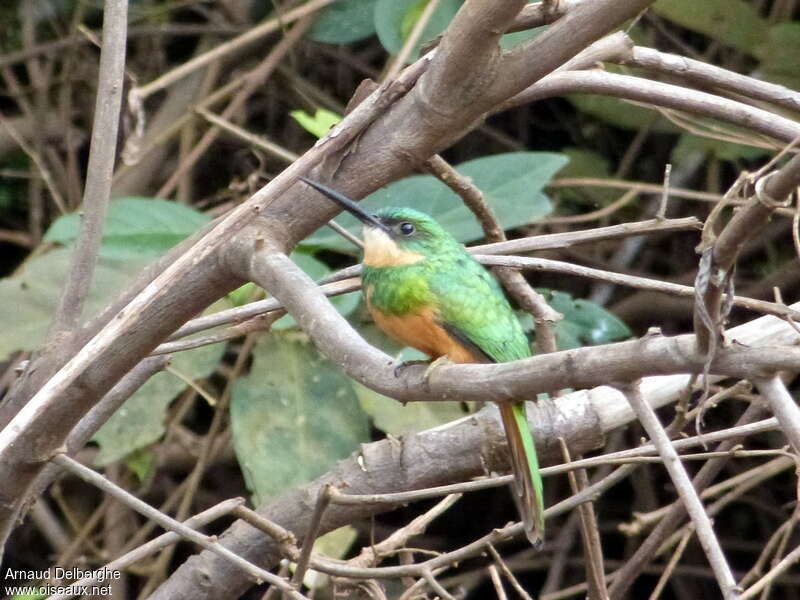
(344,21)
(317,124)
(293,416)
(779,54)
(689,144)
(585,323)
(34,290)
(135,227)
(736,23)
(140,420)
(395,19)
(512,185)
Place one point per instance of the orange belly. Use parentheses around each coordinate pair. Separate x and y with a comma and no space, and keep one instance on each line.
(422,331)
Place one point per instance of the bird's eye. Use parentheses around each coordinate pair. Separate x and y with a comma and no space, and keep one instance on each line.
(407,228)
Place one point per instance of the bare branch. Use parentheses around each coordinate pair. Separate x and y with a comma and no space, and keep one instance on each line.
(705,532)
(167,522)
(102,153)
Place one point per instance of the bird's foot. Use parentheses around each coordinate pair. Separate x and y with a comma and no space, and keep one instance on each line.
(439,362)
(408,363)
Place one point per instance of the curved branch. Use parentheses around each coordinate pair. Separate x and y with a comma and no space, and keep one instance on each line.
(578,368)
(660,94)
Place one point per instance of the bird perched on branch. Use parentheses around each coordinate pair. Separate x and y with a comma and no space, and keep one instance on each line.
(423,288)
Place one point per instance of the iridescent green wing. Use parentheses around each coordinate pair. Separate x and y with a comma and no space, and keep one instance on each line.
(473,309)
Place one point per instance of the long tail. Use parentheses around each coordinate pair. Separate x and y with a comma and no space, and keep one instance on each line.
(525,466)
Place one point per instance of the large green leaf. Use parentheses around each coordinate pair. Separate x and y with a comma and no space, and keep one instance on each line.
(392,417)
(585,323)
(293,416)
(135,227)
(394,20)
(779,53)
(344,21)
(512,184)
(736,23)
(33,293)
(140,420)
(689,144)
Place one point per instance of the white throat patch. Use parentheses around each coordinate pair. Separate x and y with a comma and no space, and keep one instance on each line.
(380,250)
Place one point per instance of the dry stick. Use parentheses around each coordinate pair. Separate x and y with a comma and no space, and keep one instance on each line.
(619,457)
(153,546)
(323,501)
(255,80)
(590,494)
(647,549)
(705,532)
(758,568)
(658,94)
(102,152)
(515,283)
(237,43)
(37,160)
(207,542)
(372,555)
(673,562)
(593,550)
(639,186)
(783,406)
(746,224)
(644,283)
(508,573)
(695,71)
(497,583)
(783,566)
(284,537)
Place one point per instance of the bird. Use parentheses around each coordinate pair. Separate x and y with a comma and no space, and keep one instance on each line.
(424,289)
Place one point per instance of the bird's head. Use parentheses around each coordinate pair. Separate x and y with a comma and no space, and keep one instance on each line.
(394,236)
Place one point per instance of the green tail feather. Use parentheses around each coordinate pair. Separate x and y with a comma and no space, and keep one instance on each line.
(525,464)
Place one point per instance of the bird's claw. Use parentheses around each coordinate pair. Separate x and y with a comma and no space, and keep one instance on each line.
(439,362)
(408,363)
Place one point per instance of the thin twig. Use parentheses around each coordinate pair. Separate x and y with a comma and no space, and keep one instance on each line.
(102,152)
(783,406)
(705,532)
(209,543)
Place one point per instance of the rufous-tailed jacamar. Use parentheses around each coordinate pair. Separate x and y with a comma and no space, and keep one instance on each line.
(423,288)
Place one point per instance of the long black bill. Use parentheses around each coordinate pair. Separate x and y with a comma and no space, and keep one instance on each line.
(347,204)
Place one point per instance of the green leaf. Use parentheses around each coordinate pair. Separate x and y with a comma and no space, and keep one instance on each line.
(689,144)
(135,227)
(140,420)
(585,323)
(736,23)
(512,185)
(137,231)
(392,417)
(142,463)
(779,54)
(394,20)
(344,21)
(293,416)
(33,292)
(319,124)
